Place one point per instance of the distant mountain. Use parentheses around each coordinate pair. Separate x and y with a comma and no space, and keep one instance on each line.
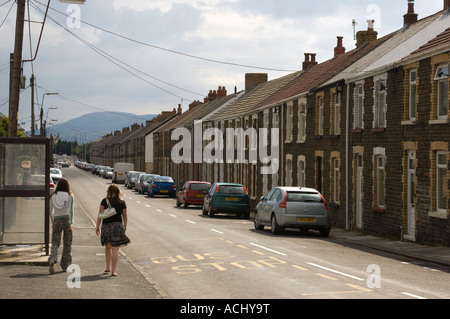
(90,127)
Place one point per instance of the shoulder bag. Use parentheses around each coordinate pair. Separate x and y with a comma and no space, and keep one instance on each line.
(107,212)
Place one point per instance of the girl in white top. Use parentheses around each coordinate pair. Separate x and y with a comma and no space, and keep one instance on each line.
(61,214)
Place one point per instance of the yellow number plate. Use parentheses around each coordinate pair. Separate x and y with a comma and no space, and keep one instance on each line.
(201,195)
(232,198)
(164,191)
(306,219)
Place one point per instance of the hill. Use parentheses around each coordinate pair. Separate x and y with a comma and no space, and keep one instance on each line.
(90,127)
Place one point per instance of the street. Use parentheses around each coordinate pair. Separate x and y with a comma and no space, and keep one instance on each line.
(187,255)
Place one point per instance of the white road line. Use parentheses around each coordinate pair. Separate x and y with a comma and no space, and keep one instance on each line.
(148,206)
(159,210)
(414,296)
(268,249)
(138,202)
(172,215)
(335,271)
(190,221)
(215,230)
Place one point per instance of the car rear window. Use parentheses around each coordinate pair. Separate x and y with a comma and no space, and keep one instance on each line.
(303,197)
(227,189)
(163,180)
(199,187)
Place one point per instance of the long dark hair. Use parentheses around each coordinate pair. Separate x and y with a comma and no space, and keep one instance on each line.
(113,194)
(63,186)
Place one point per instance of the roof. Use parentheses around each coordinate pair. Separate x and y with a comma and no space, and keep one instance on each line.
(401,44)
(441,40)
(250,99)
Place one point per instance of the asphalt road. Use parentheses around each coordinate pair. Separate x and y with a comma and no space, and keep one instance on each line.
(190,256)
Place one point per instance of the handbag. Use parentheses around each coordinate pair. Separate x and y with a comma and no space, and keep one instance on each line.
(107,212)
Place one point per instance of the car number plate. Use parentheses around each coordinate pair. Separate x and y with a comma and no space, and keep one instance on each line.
(232,198)
(164,191)
(306,219)
(201,195)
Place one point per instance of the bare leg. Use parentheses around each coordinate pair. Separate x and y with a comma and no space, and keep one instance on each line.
(115,258)
(108,256)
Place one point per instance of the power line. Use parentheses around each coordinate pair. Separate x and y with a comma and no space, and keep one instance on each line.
(170,50)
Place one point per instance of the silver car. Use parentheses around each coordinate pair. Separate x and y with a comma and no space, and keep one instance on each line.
(293,207)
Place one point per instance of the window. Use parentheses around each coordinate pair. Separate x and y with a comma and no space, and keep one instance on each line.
(288,170)
(302,122)
(301,171)
(337,112)
(336,180)
(441,181)
(358,108)
(380,104)
(380,176)
(320,116)
(289,120)
(442,91)
(412,94)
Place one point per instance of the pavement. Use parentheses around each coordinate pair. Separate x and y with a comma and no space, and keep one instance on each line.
(24,269)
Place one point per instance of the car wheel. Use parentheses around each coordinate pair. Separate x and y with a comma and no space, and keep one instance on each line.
(274,227)
(210,212)
(204,211)
(256,222)
(325,232)
(185,205)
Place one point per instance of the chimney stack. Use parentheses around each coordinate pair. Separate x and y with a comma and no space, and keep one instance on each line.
(221,92)
(365,37)
(310,60)
(253,79)
(180,110)
(339,49)
(410,17)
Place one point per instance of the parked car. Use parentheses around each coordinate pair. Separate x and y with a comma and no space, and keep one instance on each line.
(56,174)
(38,181)
(145,182)
(128,178)
(192,193)
(293,207)
(162,185)
(132,179)
(108,173)
(138,181)
(229,198)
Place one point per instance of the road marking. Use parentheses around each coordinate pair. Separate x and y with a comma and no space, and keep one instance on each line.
(172,215)
(215,230)
(414,296)
(159,210)
(268,249)
(326,276)
(335,271)
(190,221)
(148,206)
(299,267)
(138,202)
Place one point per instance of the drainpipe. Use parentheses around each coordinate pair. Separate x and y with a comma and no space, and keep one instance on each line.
(347,149)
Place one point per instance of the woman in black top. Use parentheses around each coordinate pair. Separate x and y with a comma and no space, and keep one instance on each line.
(113,228)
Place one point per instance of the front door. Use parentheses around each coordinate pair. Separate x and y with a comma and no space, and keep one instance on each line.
(358,204)
(411,193)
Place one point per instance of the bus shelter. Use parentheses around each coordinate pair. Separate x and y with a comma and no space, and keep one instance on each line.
(25,191)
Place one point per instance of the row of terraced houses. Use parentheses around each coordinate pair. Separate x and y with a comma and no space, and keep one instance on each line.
(368,128)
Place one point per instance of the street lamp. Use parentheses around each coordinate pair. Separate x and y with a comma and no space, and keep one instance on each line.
(73,1)
(45,122)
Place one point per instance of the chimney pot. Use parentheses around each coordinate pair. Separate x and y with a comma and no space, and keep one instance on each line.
(309,62)
(339,49)
(411,16)
(364,37)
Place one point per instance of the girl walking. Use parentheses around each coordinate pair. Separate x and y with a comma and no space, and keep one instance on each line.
(113,228)
(61,214)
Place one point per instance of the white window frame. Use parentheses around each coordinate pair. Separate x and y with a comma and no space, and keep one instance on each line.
(320,118)
(412,94)
(441,77)
(301,171)
(380,105)
(441,166)
(358,108)
(337,113)
(381,180)
(302,112)
(336,180)
(289,121)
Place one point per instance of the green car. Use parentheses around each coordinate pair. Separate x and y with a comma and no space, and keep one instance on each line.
(228,198)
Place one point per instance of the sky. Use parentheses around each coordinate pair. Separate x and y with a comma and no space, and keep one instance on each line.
(148,56)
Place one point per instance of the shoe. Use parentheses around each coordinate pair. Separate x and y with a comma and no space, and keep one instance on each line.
(51,267)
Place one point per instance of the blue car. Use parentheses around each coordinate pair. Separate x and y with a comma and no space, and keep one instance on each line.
(162,185)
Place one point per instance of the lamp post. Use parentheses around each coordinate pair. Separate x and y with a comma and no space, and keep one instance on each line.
(42,112)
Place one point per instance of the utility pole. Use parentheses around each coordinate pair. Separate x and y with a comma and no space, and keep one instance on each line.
(32,104)
(17,69)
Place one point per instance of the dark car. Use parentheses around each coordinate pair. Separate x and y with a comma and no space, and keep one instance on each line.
(192,193)
(228,198)
(145,182)
(162,185)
